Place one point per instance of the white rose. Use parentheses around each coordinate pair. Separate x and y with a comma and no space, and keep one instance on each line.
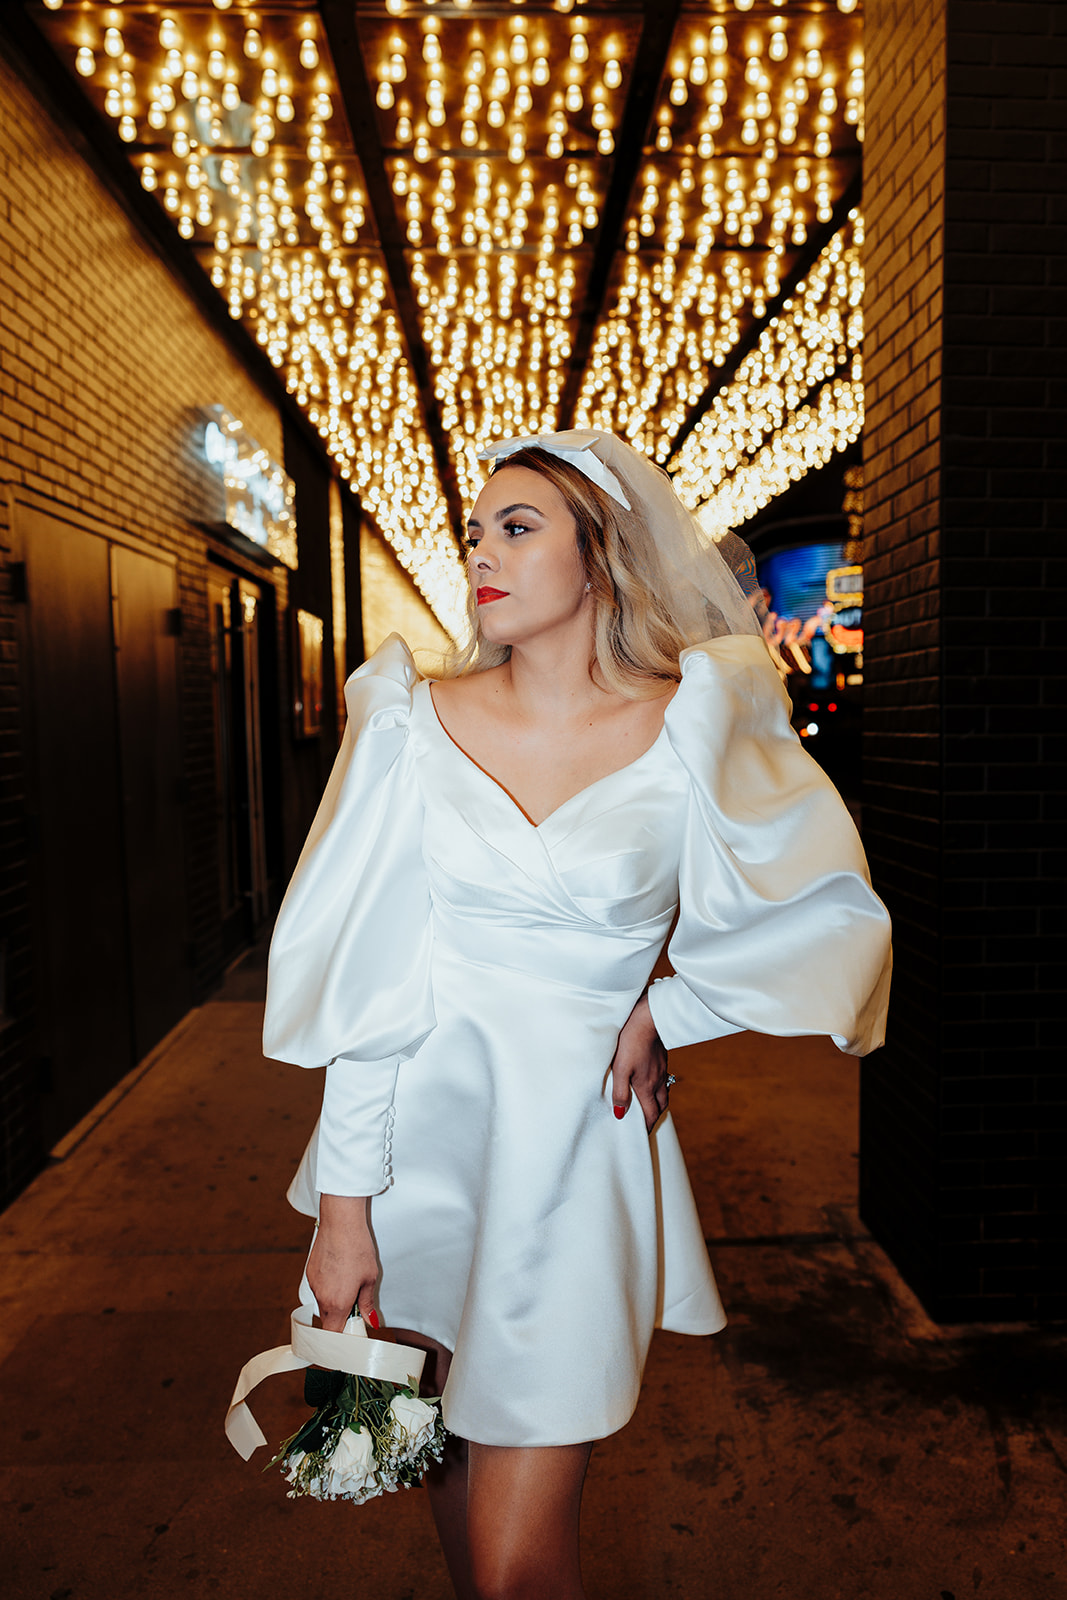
(351,1468)
(415,1422)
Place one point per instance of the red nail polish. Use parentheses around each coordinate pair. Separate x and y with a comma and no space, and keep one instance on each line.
(372,1318)
(620,1111)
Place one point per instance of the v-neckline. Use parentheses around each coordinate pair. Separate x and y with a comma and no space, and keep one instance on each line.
(579,794)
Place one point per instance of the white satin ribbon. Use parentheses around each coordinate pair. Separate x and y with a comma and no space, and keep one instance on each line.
(574,447)
(350,1351)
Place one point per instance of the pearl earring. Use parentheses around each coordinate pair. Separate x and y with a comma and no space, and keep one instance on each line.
(588,587)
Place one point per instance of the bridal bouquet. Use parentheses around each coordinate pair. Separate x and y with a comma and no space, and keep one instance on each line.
(370,1432)
(367,1437)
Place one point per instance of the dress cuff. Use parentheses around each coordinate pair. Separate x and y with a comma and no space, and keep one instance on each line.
(354,1154)
(681,1018)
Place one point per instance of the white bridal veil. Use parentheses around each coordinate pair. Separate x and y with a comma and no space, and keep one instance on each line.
(709,587)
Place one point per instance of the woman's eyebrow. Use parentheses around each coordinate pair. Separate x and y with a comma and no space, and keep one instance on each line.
(520,505)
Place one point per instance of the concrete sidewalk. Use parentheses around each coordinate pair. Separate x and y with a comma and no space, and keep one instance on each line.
(831,1443)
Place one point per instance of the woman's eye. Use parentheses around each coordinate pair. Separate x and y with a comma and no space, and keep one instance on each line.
(514,528)
(470,544)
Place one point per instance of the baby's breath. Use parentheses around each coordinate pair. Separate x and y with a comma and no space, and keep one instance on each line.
(392,1437)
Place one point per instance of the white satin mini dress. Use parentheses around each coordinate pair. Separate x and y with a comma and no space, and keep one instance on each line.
(463,975)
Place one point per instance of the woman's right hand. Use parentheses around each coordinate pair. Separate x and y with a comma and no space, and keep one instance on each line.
(342,1269)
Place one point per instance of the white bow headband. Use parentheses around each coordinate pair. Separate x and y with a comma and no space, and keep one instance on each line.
(574,447)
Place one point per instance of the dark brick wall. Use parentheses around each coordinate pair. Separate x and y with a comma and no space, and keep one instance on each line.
(903,202)
(963,1113)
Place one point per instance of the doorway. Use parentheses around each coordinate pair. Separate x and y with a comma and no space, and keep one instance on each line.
(105,816)
(239,616)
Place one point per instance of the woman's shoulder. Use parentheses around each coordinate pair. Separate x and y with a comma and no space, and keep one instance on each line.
(379,692)
(470,690)
(726,656)
(726,677)
(392,659)
(730,706)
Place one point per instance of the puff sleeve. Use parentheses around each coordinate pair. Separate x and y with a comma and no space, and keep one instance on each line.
(348,978)
(778,929)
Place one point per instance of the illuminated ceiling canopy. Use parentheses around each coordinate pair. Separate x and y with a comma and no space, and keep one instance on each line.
(446,223)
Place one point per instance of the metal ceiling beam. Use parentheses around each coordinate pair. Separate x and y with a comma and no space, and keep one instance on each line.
(339,22)
(810,253)
(650,61)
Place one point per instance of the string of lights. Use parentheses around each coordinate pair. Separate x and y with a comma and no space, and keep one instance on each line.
(500,126)
(809,439)
(766,428)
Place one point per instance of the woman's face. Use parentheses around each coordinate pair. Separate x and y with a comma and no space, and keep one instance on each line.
(524,564)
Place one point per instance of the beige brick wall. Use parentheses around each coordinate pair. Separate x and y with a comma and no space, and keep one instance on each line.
(392,604)
(104,359)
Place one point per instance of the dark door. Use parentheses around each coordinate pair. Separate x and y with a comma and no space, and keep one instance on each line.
(146,677)
(75,823)
(251,716)
(233,906)
(236,605)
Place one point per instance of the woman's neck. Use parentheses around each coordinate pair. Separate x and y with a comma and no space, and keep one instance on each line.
(550,676)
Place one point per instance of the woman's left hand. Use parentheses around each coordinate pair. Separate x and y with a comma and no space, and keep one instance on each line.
(640,1066)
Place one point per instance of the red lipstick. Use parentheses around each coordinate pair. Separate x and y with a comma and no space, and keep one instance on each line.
(484,596)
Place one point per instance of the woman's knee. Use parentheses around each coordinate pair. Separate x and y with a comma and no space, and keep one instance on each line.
(515,1574)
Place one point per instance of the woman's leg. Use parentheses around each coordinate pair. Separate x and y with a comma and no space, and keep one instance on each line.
(446,1484)
(522,1521)
(507,1518)
(447,1488)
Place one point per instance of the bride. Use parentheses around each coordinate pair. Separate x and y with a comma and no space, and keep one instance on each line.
(467,944)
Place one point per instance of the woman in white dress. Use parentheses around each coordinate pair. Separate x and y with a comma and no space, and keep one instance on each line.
(467,944)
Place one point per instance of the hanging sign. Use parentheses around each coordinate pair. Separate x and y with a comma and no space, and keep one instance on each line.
(258,496)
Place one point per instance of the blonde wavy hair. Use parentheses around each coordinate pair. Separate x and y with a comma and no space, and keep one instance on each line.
(636,644)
